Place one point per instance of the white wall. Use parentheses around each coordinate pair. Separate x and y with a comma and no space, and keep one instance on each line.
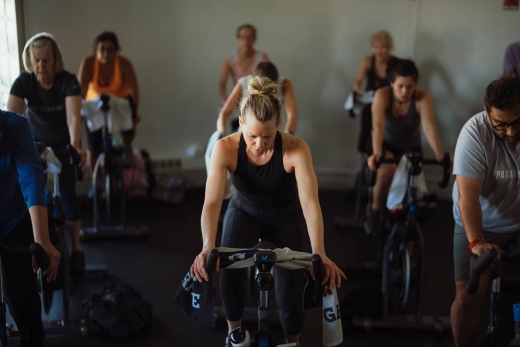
(177,48)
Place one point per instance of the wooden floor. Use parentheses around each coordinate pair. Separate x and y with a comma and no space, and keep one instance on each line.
(155,266)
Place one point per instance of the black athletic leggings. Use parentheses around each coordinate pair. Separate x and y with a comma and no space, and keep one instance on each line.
(285,227)
(21,289)
(68,195)
(365,131)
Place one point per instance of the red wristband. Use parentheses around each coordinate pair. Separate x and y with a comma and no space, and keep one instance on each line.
(472,244)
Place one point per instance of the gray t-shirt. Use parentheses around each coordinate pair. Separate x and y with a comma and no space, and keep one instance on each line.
(482,155)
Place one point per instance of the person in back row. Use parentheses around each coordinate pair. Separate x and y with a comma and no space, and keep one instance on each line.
(285,95)
(276,197)
(398,113)
(372,70)
(107,72)
(53,109)
(512,60)
(486,197)
(241,62)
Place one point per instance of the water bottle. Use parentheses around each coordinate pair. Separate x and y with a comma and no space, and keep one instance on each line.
(239,337)
(516,316)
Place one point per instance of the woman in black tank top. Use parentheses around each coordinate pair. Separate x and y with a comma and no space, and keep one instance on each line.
(372,70)
(397,113)
(276,197)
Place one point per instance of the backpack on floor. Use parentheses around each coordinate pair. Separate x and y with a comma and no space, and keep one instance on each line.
(119,311)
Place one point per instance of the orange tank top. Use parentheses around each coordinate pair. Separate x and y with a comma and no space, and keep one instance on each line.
(116,88)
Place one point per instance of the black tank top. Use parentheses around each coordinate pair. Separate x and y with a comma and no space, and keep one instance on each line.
(373,80)
(264,186)
(403,132)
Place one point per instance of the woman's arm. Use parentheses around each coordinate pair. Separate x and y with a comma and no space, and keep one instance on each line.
(231,103)
(289,101)
(85,74)
(215,186)
(40,228)
(15,104)
(130,79)
(379,106)
(73,110)
(308,194)
(425,109)
(223,81)
(364,66)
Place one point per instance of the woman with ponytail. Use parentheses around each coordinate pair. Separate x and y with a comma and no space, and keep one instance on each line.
(276,197)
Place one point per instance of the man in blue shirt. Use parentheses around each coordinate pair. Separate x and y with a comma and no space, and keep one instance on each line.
(23,220)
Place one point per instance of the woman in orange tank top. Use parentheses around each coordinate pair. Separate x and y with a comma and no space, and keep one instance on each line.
(107,72)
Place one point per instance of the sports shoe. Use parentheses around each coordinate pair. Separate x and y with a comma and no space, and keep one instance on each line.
(373,223)
(77,263)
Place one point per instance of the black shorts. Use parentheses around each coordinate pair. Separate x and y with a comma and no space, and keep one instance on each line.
(399,152)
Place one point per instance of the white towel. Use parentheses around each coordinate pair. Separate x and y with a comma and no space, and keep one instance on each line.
(356,101)
(53,163)
(399,183)
(119,115)
(230,189)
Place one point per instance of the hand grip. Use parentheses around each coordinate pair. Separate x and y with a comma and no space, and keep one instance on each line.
(477,266)
(446,162)
(41,256)
(373,174)
(211,261)
(76,160)
(319,274)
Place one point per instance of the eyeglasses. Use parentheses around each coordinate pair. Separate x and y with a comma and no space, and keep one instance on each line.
(502,126)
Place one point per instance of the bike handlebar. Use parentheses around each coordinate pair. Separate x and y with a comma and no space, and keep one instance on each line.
(211,261)
(228,258)
(479,264)
(415,158)
(34,249)
(69,149)
(76,160)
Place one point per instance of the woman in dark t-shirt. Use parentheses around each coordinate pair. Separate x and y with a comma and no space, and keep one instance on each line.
(51,99)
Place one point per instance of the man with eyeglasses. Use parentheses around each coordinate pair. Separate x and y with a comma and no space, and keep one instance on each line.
(486,196)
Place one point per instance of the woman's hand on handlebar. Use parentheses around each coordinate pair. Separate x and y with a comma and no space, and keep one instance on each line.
(82,157)
(332,273)
(483,246)
(54,262)
(198,268)
(371,162)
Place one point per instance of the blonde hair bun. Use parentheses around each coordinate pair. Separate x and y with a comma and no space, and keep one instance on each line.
(259,85)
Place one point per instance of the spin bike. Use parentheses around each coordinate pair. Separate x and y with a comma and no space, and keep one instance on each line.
(402,252)
(494,335)
(263,257)
(56,218)
(109,202)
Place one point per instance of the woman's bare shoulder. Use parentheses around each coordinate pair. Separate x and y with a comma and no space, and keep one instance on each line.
(421,94)
(88,62)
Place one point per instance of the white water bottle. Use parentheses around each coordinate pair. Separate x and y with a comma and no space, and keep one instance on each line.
(239,337)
